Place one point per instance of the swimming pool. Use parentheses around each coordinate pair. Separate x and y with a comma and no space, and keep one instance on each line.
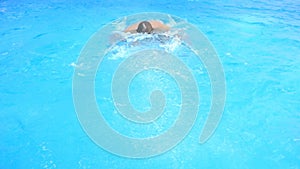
(258,44)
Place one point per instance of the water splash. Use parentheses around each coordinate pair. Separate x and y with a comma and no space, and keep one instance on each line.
(131,43)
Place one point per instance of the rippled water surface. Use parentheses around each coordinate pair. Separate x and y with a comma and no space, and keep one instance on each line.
(258,43)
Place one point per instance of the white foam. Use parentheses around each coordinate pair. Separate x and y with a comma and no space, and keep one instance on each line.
(168,41)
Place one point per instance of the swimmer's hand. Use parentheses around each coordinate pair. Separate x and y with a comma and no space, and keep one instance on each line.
(116,37)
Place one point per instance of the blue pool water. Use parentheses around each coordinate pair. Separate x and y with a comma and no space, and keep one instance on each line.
(258,43)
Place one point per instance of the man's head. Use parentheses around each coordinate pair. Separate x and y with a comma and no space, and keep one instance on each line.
(144,27)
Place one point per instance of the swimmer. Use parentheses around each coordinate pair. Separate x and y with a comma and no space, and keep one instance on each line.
(145,27)
(149,27)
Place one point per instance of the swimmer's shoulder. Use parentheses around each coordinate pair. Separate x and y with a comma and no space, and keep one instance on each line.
(159,25)
(132,28)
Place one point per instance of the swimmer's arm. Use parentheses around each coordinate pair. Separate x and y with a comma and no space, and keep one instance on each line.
(116,37)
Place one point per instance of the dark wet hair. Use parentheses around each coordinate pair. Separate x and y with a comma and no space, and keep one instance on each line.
(144,27)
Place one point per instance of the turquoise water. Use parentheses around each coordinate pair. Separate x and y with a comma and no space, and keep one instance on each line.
(258,44)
